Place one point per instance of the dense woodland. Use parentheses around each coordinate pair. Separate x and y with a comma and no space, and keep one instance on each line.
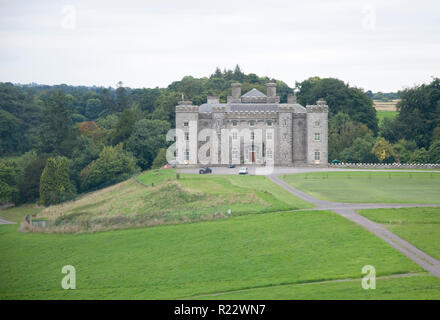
(59,141)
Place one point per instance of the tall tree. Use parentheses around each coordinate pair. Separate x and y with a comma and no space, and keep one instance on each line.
(55,185)
(147,138)
(56,134)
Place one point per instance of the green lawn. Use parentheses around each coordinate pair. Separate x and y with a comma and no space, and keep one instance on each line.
(369,187)
(383,114)
(415,287)
(419,226)
(174,261)
(161,198)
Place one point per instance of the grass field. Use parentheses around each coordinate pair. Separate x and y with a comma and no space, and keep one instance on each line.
(416,287)
(419,226)
(164,199)
(175,261)
(382,114)
(369,187)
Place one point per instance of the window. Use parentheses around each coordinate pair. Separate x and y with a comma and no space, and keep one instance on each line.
(269,123)
(269,153)
(317,136)
(186,136)
(317,156)
(252,123)
(268,135)
(235,154)
(252,136)
(187,154)
(185,124)
(317,123)
(234,135)
(234,123)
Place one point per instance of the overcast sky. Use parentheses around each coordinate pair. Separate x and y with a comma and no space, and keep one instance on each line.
(376,45)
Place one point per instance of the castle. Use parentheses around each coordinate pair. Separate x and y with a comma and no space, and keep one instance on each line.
(253,128)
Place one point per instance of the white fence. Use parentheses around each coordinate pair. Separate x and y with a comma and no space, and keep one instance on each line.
(386,165)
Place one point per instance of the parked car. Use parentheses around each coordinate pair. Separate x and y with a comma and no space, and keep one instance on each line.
(335,161)
(243,170)
(231,165)
(205,170)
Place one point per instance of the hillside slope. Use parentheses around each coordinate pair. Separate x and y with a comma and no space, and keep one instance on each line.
(158,197)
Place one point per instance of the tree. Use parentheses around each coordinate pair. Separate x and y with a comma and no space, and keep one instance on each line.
(124,126)
(342,133)
(434,152)
(55,185)
(360,150)
(113,165)
(93,108)
(419,113)
(161,159)
(382,149)
(29,185)
(340,98)
(403,150)
(56,134)
(420,156)
(121,99)
(8,183)
(147,138)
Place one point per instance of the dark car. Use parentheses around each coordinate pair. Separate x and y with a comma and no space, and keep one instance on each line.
(231,165)
(205,170)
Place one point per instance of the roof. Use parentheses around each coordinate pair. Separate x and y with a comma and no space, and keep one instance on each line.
(254,93)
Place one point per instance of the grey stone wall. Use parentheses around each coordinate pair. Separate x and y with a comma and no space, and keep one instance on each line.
(317,123)
(285,130)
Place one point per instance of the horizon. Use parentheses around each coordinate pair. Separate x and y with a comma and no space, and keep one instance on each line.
(382,47)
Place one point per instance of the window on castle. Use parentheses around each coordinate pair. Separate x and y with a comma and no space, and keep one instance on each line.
(252,136)
(252,123)
(185,124)
(317,156)
(269,153)
(234,123)
(234,135)
(187,154)
(187,136)
(317,123)
(235,154)
(268,135)
(269,123)
(317,136)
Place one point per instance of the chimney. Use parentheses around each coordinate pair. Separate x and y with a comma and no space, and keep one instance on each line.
(271,89)
(236,90)
(213,99)
(291,98)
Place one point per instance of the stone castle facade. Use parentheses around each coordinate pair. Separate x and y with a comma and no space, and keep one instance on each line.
(253,128)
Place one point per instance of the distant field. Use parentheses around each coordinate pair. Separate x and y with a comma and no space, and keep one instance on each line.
(389,105)
(419,226)
(385,114)
(176,261)
(369,187)
(164,199)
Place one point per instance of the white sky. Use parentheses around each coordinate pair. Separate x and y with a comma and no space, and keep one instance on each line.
(377,45)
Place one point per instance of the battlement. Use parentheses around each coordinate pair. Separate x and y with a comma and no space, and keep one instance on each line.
(320,106)
(186,107)
(286,108)
(219,109)
(317,108)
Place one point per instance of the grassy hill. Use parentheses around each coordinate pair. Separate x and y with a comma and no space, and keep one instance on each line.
(158,197)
